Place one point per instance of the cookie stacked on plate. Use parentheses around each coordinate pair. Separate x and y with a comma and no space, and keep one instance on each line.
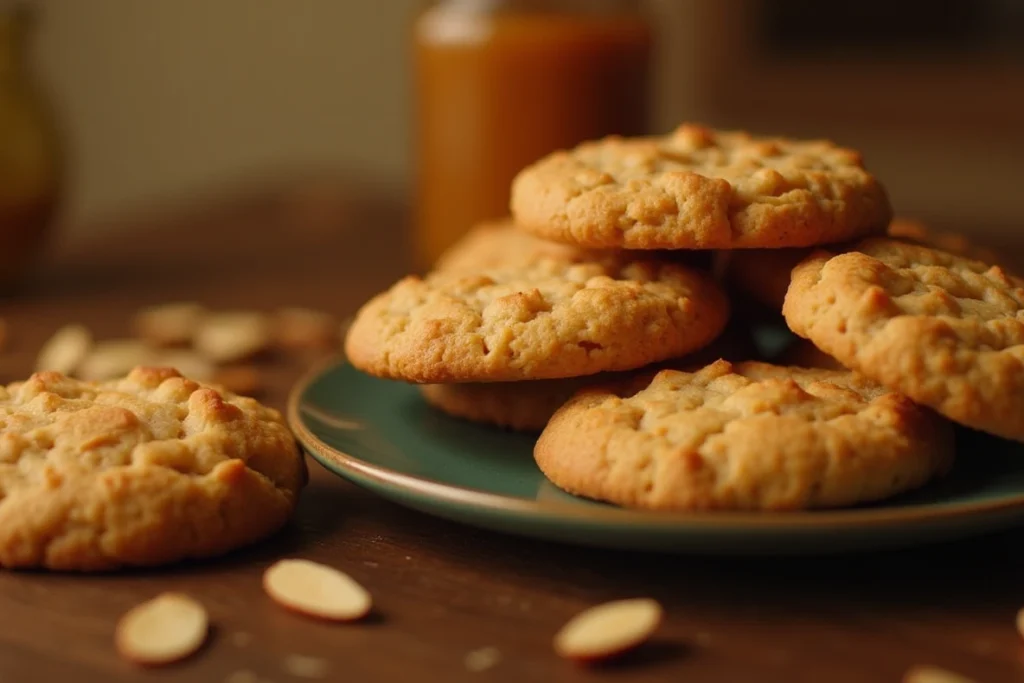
(590,304)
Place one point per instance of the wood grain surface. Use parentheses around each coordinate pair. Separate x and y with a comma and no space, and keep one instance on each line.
(443,591)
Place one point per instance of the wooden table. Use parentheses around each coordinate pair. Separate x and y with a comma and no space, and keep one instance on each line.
(443,590)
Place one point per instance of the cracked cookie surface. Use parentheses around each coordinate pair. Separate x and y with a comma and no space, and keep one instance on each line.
(144,470)
(945,330)
(745,436)
(544,320)
(697,188)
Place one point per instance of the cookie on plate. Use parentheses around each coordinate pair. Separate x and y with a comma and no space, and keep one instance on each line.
(697,188)
(544,320)
(144,470)
(527,406)
(749,436)
(945,330)
(500,243)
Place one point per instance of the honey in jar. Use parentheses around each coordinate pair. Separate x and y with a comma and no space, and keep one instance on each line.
(499,84)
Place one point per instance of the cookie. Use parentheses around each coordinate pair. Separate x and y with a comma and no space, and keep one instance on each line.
(749,436)
(527,406)
(521,406)
(544,320)
(908,230)
(142,470)
(945,330)
(762,274)
(497,244)
(698,188)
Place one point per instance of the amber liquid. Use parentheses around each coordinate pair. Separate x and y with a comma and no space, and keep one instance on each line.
(504,92)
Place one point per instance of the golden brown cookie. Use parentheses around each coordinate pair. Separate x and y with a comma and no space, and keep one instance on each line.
(527,406)
(545,320)
(522,406)
(144,470)
(945,330)
(909,230)
(500,243)
(698,188)
(762,274)
(749,436)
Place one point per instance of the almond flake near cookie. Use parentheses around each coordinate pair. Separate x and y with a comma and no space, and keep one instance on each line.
(749,436)
(944,330)
(698,188)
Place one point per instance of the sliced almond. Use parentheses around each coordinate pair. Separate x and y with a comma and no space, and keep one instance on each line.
(165,629)
(608,630)
(301,666)
(114,358)
(933,674)
(65,350)
(232,337)
(188,363)
(316,590)
(172,324)
(244,380)
(304,329)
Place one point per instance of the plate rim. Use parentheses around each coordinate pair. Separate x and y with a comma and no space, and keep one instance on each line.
(847,518)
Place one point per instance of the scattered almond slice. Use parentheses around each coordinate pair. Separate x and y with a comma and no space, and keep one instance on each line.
(65,350)
(933,674)
(301,666)
(114,358)
(172,324)
(165,629)
(233,336)
(188,363)
(316,590)
(482,659)
(304,329)
(608,630)
(244,380)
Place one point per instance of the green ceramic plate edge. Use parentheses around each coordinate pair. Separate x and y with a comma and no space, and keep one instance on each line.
(815,532)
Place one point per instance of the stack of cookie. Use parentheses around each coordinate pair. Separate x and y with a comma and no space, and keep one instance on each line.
(587,304)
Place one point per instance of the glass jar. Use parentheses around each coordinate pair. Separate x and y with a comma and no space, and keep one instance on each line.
(501,83)
(29,153)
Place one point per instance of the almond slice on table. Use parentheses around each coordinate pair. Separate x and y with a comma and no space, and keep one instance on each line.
(65,350)
(933,674)
(305,329)
(232,336)
(165,629)
(608,630)
(316,590)
(171,324)
(114,358)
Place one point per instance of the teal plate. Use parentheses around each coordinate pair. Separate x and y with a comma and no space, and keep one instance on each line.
(381,435)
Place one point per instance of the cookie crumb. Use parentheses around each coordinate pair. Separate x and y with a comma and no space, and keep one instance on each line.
(302,666)
(482,659)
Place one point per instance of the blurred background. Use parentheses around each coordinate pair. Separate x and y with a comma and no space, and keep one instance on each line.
(159,102)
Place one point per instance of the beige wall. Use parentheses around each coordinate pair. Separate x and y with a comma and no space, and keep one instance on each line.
(165,97)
